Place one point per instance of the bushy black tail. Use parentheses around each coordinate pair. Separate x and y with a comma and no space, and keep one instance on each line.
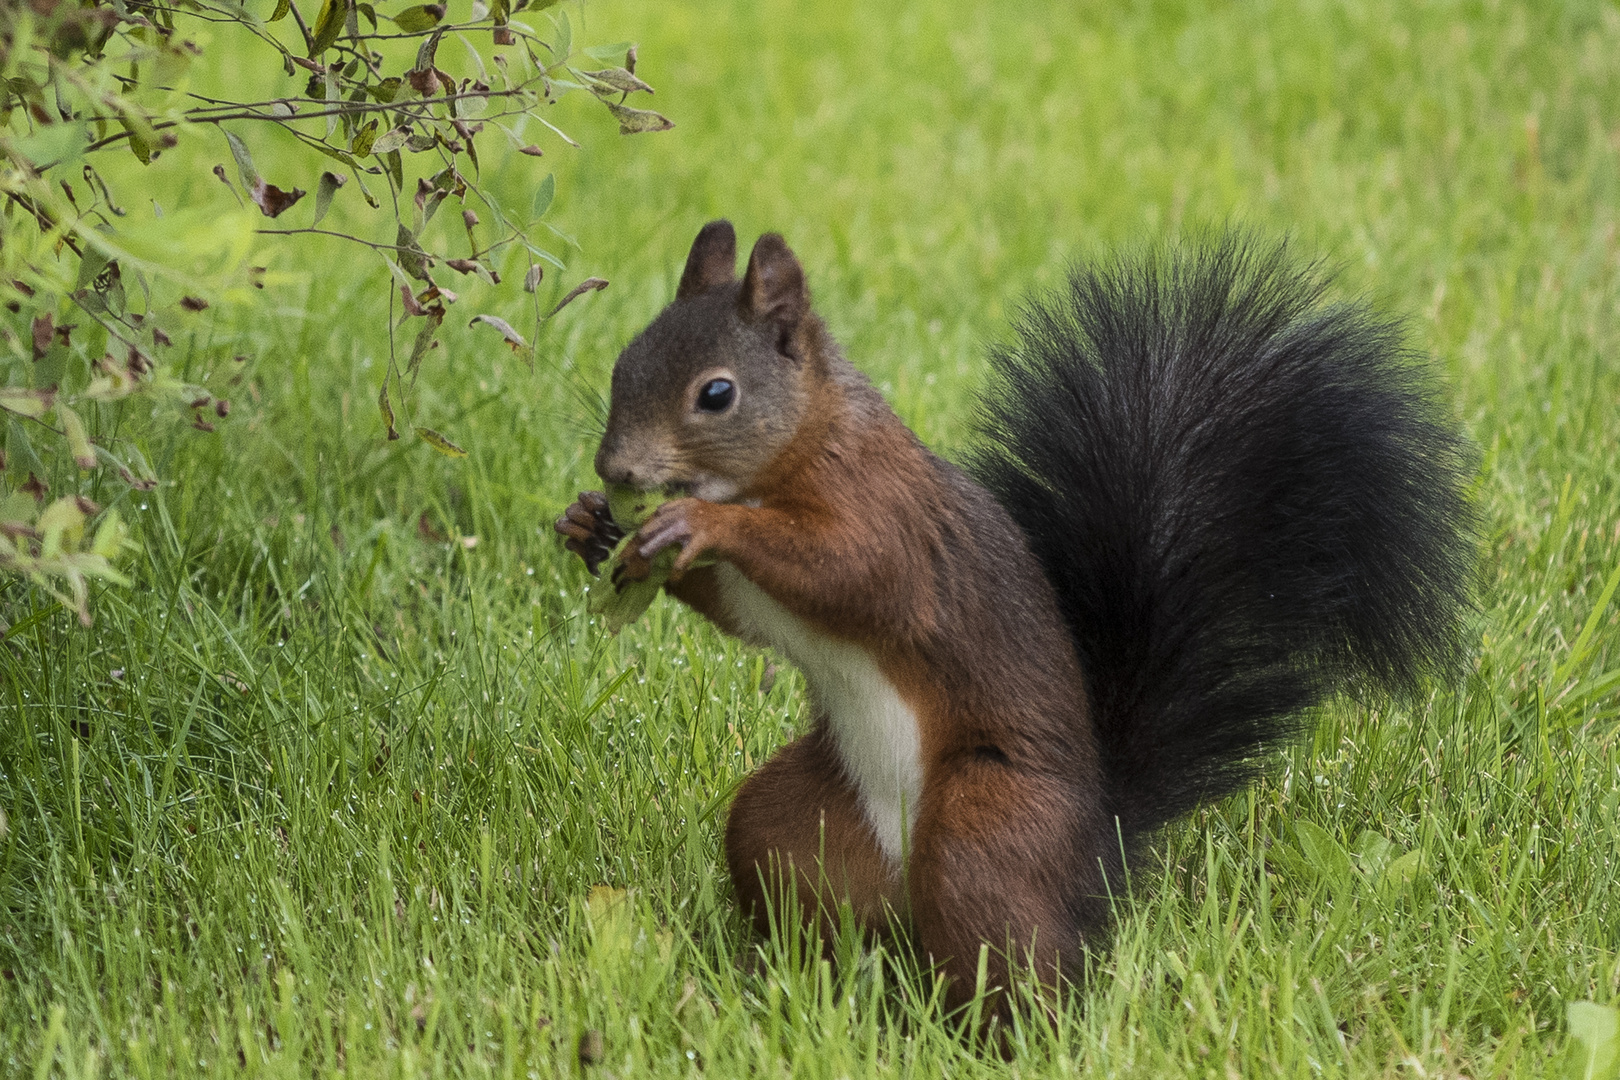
(1246,499)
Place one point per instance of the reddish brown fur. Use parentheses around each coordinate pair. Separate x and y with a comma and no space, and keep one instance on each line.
(857,529)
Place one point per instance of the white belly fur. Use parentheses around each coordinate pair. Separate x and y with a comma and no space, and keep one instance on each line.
(875,730)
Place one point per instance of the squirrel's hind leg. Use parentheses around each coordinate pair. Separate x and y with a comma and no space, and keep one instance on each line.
(797,823)
(998,859)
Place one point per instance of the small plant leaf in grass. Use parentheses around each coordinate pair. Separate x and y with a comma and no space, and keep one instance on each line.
(594,284)
(328,186)
(1323,852)
(440,443)
(543,195)
(634,121)
(1596,1028)
(420,18)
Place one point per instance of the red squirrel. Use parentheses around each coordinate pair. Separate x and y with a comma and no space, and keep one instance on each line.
(1203,500)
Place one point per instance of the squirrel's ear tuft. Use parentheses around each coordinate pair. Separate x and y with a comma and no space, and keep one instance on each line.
(774,286)
(712,261)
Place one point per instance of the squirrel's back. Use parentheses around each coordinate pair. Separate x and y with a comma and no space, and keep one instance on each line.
(1245,498)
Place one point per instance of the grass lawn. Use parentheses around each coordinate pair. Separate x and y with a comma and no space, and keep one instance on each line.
(331,789)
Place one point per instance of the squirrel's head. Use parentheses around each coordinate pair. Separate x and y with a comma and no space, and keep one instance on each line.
(714,389)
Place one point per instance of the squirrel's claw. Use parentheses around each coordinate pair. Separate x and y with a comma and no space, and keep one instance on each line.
(671,525)
(589,530)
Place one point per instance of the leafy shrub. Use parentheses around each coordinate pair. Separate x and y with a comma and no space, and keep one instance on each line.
(94,296)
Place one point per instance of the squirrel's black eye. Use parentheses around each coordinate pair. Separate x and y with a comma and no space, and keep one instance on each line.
(716,395)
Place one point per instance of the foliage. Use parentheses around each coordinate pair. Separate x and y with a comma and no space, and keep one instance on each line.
(97,295)
(332,788)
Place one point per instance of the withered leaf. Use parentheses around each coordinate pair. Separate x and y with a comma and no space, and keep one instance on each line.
(424,339)
(193,303)
(424,81)
(594,284)
(159,337)
(532,150)
(440,443)
(408,300)
(633,121)
(387,408)
(513,338)
(462,266)
(272,200)
(43,332)
(531,280)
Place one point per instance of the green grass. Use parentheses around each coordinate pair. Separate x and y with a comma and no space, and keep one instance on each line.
(324,792)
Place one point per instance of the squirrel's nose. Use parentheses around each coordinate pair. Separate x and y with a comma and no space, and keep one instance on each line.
(613,466)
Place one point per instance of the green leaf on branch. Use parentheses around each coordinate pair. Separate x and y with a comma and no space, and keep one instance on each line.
(390,140)
(30,403)
(328,26)
(84,454)
(328,186)
(112,537)
(634,121)
(21,452)
(363,139)
(282,8)
(420,19)
(412,259)
(603,54)
(617,79)
(424,339)
(440,443)
(543,195)
(564,46)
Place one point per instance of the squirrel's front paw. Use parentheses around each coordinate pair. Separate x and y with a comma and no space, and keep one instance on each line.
(680,523)
(589,529)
